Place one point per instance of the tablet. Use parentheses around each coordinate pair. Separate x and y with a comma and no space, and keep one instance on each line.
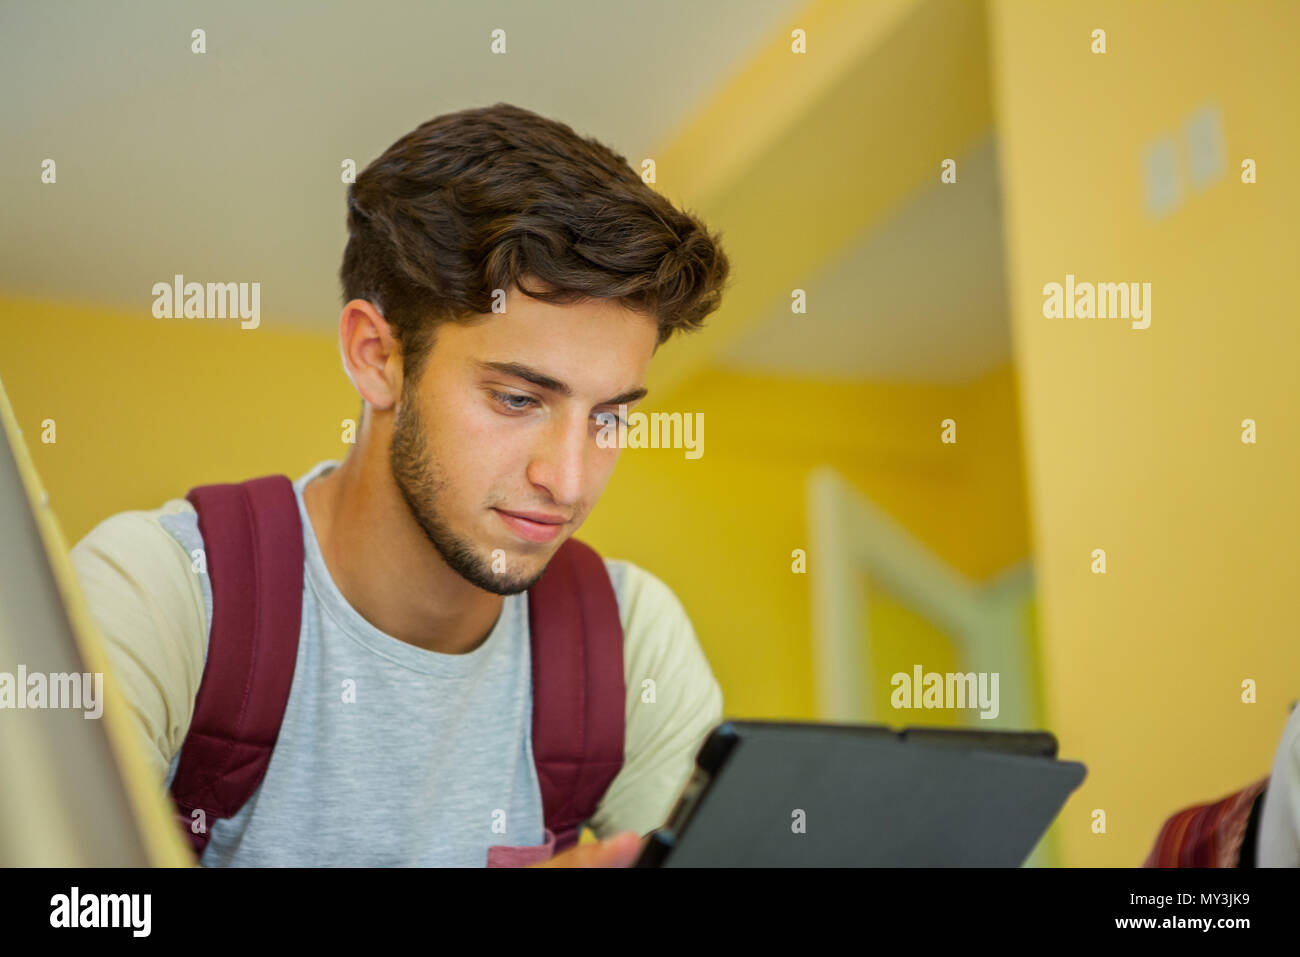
(76,790)
(785,794)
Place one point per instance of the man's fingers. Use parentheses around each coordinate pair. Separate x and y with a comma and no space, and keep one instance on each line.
(621,850)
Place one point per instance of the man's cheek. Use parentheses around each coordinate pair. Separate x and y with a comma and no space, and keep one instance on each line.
(471,417)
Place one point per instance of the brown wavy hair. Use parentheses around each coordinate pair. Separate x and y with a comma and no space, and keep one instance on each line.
(473,201)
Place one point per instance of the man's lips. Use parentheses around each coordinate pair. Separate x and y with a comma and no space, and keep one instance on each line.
(533,526)
(540,518)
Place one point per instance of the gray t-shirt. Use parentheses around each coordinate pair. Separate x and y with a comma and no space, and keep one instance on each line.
(389,754)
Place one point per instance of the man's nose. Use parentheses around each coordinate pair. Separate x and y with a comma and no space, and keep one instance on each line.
(559,461)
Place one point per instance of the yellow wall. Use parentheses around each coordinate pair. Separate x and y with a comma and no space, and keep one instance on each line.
(720,529)
(900,639)
(146,408)
(1133,436)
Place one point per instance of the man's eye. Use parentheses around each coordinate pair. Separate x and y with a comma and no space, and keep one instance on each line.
(607,419)
(505,398)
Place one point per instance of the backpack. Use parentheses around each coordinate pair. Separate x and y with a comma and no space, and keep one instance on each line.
(1219,834)
(253,544)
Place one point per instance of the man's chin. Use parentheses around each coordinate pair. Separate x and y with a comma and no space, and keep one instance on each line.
(503,574)
(504,585)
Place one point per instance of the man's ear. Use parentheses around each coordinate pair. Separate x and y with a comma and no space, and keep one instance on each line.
(371,355)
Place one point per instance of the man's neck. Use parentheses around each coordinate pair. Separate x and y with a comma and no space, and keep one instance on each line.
(386,568)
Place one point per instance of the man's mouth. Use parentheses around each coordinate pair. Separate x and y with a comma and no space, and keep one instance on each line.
(532,526)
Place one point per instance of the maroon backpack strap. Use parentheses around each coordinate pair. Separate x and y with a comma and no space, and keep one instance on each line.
(579,695)
(252,543)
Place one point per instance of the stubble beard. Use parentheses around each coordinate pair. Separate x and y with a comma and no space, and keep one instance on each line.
(422,485)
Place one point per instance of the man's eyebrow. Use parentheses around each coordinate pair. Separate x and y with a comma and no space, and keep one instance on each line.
(543,381)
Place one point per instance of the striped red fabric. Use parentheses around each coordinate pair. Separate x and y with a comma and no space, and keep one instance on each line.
(1207,835)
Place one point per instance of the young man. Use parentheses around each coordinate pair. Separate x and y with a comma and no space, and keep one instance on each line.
(505,285)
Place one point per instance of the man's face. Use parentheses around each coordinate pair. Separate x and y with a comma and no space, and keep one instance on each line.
(473,441)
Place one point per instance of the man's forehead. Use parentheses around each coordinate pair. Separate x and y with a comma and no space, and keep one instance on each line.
(596,347)
(543,328)
(519,302)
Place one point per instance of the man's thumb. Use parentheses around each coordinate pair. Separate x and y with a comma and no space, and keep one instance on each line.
(621,850)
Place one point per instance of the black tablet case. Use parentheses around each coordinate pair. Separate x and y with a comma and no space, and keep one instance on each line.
(871,796)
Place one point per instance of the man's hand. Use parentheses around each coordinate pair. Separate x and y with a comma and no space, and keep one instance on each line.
(621,850)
